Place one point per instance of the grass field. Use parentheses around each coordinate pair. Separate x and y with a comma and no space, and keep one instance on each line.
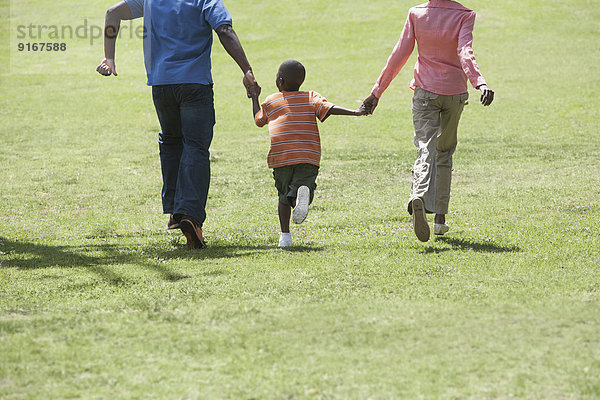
(99,301)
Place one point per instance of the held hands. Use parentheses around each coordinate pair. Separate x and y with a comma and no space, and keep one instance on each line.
(369,104)
(362,110)
(487,95)
(252,88)
(107,67)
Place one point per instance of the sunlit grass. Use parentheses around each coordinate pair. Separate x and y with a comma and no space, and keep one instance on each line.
(98,300)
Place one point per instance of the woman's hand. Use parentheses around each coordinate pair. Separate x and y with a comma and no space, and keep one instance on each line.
(370,103)
(487,95)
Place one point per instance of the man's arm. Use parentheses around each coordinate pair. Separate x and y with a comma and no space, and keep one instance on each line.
(112,23)
(232,45)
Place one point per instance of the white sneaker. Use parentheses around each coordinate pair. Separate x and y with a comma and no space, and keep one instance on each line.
(301,210)
(440,229)
(285,240)
(419,218)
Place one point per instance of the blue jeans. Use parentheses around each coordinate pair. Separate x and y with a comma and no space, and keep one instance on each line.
(187,115)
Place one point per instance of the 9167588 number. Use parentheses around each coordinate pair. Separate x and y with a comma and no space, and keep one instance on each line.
(42,46)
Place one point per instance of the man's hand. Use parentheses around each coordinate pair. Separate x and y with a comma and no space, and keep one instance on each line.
(252,88)
(370,103)
(487,95)
(107,67)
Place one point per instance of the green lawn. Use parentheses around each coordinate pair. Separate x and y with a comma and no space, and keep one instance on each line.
(99,301)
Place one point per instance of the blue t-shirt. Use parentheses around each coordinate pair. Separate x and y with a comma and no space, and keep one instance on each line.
(178,38)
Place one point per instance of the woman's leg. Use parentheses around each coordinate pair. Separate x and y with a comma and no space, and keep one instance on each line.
(452,108)
(427,123)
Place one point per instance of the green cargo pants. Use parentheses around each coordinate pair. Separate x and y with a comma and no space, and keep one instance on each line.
(436,119)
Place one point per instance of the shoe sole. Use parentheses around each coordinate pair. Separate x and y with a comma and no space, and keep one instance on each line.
(301,210)
(420,224)
(189,231)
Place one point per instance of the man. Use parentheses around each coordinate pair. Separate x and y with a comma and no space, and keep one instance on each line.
(443,30)
(177,48)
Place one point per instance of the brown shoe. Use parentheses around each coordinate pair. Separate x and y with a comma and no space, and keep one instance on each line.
(420,224)
(172,223)
(192,232)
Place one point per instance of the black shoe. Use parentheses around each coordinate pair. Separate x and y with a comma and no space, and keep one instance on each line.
(173,224)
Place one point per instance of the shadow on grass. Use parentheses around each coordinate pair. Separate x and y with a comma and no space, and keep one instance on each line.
(99,258)
(469,245)
(301,249)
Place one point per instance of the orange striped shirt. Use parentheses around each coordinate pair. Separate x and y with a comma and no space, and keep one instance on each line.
(292,119)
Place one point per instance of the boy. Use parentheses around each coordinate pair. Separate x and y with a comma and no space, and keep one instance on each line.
(295,146)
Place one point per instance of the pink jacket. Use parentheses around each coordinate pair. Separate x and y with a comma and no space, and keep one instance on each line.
(443,30)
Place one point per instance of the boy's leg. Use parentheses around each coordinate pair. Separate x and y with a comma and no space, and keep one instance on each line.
(170,142)
(285,212)
(446,145)
(282,177)
(302,190)
(197,121)
(302,202)
(427,122)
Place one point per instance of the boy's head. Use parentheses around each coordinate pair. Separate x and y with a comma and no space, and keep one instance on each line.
(290,76)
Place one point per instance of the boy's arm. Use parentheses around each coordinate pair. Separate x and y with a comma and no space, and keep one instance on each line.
(255,105)
(337,110)
(259,112)
(112,23)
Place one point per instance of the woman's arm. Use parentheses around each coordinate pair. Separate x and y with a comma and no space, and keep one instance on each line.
(468,63)
(398,58)
(396,61)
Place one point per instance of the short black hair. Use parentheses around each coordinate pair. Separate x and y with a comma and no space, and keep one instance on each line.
(293,73)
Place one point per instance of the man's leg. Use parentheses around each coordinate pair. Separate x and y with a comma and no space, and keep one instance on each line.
(170,142)
(197,121)
(446,145)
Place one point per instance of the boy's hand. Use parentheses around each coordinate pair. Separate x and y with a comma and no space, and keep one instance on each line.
(107,67)
(487,95)
(252,88)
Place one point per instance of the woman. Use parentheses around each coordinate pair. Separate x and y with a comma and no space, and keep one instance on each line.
(443,31)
